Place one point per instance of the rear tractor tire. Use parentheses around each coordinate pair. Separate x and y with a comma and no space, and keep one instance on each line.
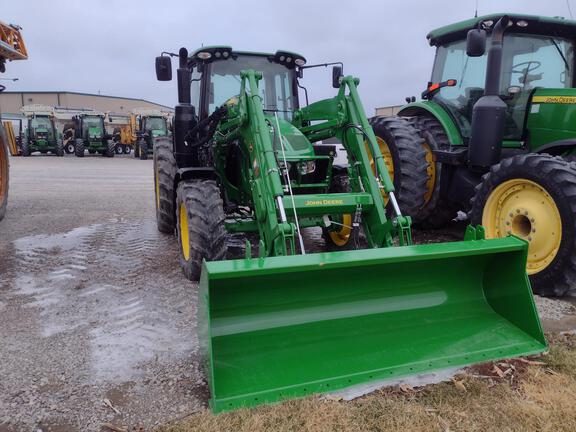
(533,197)
(164,174)
(406,158)
(200,227)
(143,146)
(79,148)
(59,148)
(26,148)
(437,212)
(110,149)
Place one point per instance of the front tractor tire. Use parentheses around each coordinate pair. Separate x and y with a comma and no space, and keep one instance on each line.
(164,194)
(79,148)
(200,227)
(405,155)
(533,197)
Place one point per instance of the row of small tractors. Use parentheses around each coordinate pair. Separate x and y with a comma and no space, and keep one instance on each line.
(86,132)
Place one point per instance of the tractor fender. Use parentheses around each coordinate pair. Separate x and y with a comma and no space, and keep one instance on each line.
(195,173)
(556,148)
(435,110)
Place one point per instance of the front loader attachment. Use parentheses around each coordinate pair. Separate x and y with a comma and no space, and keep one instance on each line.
(284,327)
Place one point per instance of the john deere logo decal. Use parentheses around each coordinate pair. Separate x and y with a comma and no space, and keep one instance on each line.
(555,99)
(324,202)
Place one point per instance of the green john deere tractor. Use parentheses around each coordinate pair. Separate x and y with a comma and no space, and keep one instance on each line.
(91,135)
(284,322)
(40,134)
(150,124)
(497,127)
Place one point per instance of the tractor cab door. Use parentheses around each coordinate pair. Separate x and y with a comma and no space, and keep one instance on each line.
(530,62)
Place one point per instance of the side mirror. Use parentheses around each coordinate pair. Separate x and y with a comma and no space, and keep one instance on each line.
(476,43)
(163,68)
(336,75)
(211,95)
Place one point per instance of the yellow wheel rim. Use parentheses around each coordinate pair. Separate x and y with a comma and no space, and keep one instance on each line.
(387,155)
(157,186)
(431,171)
(184,233)
(525,209)
(342,236)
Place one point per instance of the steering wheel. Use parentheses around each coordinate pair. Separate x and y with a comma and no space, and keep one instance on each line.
(528,69)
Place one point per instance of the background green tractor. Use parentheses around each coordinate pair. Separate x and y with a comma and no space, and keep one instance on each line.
(284,321)
(497,130)
(40,134)
(148,124)
(91,135)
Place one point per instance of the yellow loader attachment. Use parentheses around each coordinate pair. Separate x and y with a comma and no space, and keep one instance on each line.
(285,327)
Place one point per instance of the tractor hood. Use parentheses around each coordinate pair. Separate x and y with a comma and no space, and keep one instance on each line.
(296,145)
(530,24)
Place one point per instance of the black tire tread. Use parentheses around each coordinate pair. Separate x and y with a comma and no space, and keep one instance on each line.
(438,212)
(409,159)
(205,223)
(79,148)
(165,168)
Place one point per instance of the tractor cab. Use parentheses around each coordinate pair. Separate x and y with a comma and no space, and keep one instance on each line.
(41,128)
(155,126)
(216,81)
(91,126)
(537,63)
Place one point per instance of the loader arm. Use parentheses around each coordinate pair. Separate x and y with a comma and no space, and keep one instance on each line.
(344,117)
(246,121)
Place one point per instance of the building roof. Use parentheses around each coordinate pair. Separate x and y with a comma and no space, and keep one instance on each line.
(556,26)
(85,94)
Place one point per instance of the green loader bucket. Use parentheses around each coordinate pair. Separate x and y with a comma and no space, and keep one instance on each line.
(285,327)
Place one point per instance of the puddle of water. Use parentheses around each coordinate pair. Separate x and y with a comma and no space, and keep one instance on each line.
(65,242)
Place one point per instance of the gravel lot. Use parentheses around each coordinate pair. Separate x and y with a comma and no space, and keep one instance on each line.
(94,307)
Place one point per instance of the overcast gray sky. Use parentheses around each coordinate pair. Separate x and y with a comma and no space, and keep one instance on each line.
(109,46)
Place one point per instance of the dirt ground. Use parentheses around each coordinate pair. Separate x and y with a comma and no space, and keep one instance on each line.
(97,323)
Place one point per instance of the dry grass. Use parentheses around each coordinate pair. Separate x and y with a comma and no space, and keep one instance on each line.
(539,397)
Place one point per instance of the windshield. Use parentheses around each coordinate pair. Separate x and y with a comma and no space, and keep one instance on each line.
(41,125)
(155,123)
(275,87)
(92,122)
(41,122)
(528,61)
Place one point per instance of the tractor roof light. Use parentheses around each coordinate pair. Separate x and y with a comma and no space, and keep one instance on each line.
(522,23)
(204,55)
(211,53)
(289,59)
